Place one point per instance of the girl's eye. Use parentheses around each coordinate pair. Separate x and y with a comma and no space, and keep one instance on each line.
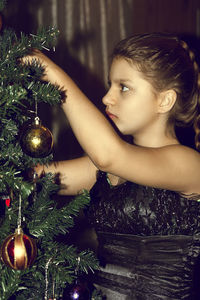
(124,88)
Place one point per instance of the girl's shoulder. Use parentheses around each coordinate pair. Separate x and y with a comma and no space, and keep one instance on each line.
(187,162)
(181,152)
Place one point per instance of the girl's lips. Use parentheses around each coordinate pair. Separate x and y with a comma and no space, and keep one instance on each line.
(111,116)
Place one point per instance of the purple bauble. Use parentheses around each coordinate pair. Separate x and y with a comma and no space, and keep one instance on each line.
(77,291)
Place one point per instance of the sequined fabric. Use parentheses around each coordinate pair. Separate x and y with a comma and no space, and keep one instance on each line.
(149,242)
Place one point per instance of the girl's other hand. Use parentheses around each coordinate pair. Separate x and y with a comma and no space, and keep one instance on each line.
(39,170)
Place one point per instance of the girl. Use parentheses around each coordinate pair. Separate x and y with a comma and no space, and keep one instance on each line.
(144,201)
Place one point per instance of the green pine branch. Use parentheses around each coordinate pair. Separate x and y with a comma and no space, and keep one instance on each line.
(10,280)
(53,221)
(2,4)
(21,88)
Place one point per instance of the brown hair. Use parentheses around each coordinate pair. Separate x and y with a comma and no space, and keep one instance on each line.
(167,63)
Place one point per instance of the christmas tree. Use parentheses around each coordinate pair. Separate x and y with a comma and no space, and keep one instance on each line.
(34,264)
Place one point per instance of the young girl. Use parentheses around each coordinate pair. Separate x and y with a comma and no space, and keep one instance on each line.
(145,198)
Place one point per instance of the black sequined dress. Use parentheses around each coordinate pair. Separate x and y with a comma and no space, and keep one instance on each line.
(149,242)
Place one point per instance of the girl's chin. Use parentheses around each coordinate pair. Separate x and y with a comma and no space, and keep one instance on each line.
(124,132)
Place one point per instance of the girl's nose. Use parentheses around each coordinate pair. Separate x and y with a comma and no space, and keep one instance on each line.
(109,99)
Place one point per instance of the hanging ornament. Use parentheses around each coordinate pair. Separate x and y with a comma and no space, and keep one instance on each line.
(18,251)
(5,201)
(36,140)
(78,290)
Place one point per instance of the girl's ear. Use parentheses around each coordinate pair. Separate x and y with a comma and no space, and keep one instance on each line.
(166,101)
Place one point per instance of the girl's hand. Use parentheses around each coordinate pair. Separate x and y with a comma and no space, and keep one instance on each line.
(39,169)
(48,65)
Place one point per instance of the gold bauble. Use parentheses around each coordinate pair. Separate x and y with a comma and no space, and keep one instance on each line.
(18,251)
(36,140)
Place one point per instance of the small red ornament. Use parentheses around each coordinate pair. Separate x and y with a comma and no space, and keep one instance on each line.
(18,251)
(7,200)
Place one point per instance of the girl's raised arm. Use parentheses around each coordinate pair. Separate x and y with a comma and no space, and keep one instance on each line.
(169,166)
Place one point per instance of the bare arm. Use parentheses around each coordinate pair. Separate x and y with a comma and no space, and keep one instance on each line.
(74,175)
(172,167)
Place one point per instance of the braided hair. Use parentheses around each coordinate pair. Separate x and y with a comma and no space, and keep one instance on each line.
(167,63)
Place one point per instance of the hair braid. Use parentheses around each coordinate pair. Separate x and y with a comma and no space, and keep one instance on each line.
(196,94)
(197,119)
(190,52)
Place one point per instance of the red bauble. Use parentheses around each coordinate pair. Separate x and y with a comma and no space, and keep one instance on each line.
(18,251)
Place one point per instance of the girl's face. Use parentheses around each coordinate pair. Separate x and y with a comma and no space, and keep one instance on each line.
(130,101)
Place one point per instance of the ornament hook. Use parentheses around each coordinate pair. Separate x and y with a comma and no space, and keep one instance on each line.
(19,221)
